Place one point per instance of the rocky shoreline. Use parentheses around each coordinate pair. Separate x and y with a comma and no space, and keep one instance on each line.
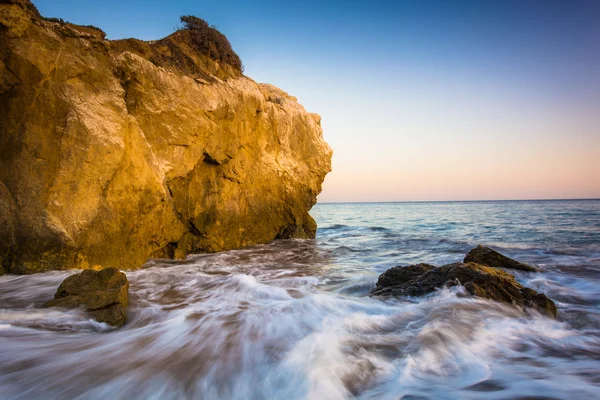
(104,293)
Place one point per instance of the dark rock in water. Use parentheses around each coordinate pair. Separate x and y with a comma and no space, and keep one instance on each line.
(400,274)
(104,293)
(478,280)
(491,258)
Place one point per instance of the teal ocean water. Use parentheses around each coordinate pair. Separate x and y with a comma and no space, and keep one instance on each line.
(293,319)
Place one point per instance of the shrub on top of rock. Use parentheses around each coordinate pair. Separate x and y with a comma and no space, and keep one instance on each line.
(208,40)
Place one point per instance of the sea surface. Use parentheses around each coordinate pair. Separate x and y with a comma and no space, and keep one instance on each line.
(293,319)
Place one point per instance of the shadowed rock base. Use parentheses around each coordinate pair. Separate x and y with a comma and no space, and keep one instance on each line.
(104,294)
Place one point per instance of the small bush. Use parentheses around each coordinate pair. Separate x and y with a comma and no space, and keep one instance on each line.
(52,19)
(92,27)
(210,41)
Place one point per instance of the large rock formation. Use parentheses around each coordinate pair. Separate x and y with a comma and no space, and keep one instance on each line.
(113,152)
(103,293)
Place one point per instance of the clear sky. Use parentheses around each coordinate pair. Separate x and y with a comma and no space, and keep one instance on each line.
(421,100)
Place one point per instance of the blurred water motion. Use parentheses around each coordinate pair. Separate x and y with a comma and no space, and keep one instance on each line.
(293,320)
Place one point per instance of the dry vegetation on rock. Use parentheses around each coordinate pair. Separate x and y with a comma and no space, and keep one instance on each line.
(208,40)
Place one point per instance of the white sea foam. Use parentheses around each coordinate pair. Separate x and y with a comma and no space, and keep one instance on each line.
(293,320)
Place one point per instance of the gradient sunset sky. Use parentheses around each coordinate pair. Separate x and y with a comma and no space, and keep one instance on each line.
(420,100)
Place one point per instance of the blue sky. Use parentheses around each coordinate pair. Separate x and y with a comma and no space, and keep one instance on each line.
(421,100)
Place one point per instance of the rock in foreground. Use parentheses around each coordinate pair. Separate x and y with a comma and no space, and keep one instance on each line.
(491,258)
(104,294)
(478,280)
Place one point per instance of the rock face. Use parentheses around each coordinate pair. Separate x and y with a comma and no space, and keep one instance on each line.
(104,294)
(479,280)
(113,152)
(491,258)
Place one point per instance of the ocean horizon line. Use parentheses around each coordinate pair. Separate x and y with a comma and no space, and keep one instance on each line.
(456,201)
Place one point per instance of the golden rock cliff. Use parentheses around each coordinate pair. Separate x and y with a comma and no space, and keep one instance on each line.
(114,152)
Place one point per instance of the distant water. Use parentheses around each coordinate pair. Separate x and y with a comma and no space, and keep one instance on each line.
(293,319)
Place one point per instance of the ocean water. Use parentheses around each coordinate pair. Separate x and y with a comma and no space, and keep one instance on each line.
(293,319)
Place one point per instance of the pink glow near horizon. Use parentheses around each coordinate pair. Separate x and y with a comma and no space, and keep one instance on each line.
(530,152)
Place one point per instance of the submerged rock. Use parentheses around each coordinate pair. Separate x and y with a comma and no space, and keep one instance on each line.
(489,257)
(478,280)
(113,152)
(104,293)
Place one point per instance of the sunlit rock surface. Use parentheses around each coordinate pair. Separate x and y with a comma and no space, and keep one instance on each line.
(114,152)
(491,258)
